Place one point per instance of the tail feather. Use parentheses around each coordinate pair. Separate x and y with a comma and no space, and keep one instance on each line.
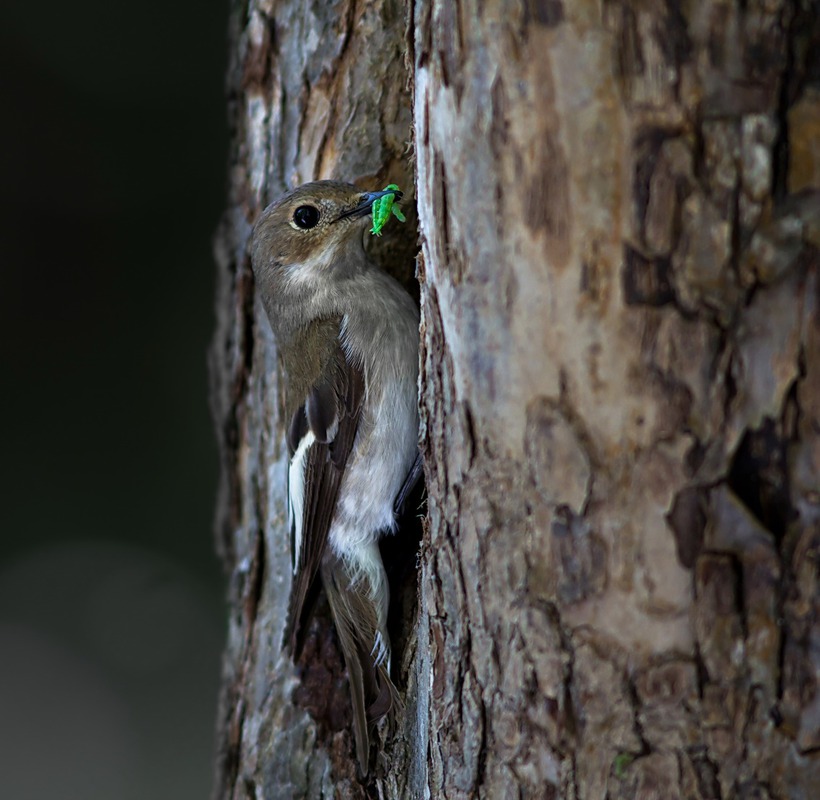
(360,627)
(356,675)
(387,699)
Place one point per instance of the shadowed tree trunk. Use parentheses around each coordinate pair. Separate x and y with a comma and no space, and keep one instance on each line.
(315,91)
(620,391)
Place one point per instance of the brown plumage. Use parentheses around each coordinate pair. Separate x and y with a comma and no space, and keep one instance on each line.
(348,339)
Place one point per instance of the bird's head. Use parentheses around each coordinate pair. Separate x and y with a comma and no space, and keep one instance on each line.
(313,229)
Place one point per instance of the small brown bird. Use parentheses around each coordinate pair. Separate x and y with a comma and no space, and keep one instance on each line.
(348,338)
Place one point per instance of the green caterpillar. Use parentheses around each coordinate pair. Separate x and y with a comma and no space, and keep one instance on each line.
(382,208)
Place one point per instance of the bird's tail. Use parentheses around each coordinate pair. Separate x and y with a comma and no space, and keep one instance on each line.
(358,601)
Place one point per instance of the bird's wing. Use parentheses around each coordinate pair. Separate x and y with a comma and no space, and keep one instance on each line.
(410,483)
(320,437)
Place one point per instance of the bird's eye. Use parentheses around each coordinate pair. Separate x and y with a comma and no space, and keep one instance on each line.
(306,217)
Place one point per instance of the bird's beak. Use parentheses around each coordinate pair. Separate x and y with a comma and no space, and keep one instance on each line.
(366,202)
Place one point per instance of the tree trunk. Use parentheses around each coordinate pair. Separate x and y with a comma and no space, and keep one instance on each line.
(620,390)
(315,91)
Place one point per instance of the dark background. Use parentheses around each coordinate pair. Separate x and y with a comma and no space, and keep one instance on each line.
(112,170)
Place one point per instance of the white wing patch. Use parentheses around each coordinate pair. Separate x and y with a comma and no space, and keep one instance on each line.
(296,494)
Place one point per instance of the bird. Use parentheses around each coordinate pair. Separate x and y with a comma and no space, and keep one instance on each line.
(347,335)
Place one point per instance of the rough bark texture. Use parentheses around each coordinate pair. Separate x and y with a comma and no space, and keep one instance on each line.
(316,90)
(620,387)
(620,395)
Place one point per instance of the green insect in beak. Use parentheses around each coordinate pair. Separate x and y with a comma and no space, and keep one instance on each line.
(382,208)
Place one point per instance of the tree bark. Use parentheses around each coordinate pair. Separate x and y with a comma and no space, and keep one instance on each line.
(620,389)
(315,91)
(620,397)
